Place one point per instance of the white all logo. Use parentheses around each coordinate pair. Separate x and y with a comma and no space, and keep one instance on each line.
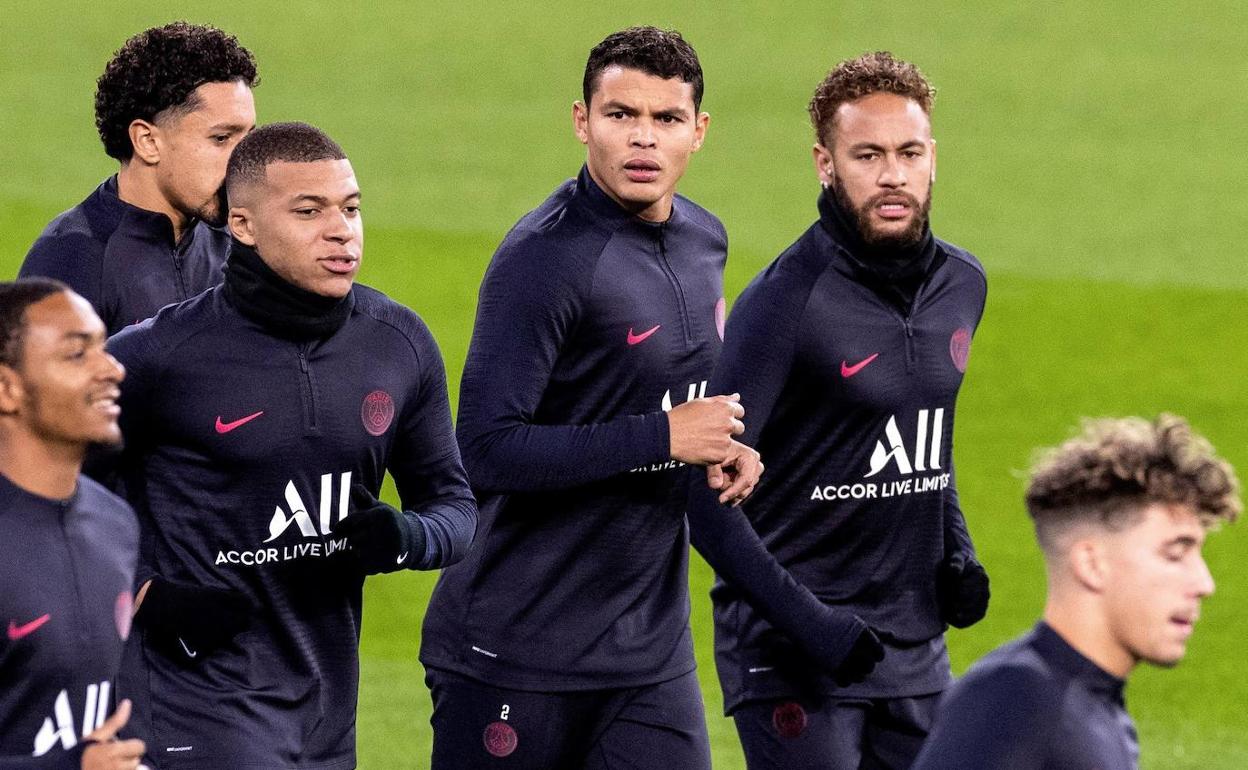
(926,445)
(696,390)
(299,511)
(60,728)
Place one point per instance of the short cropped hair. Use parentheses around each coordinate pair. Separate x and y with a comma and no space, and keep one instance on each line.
(274,143)
(158,70)
(1115,468)
(658,52)
(15,297)
(871,73)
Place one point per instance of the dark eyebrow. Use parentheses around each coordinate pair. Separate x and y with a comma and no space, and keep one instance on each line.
(321,200)
(618,107)
(84,337)
(881,148)
(233,127)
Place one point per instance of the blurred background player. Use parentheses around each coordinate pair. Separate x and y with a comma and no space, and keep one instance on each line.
(260,419)
(1121,512)
(563,640)
(171,105)
(848,352)
(67,546)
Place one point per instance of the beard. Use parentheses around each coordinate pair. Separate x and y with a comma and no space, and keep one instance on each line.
(215,212)
(874,236)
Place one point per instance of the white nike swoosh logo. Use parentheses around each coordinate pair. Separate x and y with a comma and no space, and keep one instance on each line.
(189,654)
(402,558)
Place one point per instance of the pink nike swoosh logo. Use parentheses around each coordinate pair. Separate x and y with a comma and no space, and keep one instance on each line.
(850,371)
(633,339)
(226,427)
(17,632)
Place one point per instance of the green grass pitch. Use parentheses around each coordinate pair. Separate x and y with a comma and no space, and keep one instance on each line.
(1087,154)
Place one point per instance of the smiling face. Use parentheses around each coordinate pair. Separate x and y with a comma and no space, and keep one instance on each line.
(304,220)
(1154,582)
(639,131)
(64,388)
(881,167)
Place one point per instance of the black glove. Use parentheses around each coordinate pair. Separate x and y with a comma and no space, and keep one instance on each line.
(962,590)
(379,534)
(187,622)
(861,659)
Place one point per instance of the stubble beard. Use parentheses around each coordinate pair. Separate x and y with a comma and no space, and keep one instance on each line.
(215,211)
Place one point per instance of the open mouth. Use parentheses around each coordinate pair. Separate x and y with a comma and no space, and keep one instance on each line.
(641,170)
(893,207)
(106,402)
(341,264)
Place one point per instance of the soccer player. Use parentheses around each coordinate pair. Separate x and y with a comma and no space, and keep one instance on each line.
(260,418)
(68,548)
(170,106)
(848,352)
(1121,512)
(563,640)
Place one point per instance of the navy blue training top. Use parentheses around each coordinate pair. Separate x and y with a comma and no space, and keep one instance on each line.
(241,450)
(849,392)
(66,571)
(590,324)
(1033,704)
(123,259)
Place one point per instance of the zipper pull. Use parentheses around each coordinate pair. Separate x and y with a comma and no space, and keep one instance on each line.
(303,362)
(909,329)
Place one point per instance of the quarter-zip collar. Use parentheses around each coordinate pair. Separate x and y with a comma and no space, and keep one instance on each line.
(1075,663)
(31,502)
(603,208)
(141,224)
(897,274)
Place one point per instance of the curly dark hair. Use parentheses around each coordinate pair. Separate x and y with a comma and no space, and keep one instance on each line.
(15,297)
(868,74)
(654,51)
(1115,468)
(289,142)
(159,69)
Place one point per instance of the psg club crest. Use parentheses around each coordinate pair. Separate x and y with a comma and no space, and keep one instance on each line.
(500,739)
(377,412)
(960,348)
(123,611)
(789,719)
(721,310)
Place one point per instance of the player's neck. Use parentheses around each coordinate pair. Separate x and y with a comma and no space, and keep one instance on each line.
(136,185)
(42,468)
(1083,626)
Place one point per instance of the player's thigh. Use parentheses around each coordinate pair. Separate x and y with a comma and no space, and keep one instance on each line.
(656,727)
(895,731)
(478,726)
(802,734)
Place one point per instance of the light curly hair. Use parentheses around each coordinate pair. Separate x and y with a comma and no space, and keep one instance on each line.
(878,72)
(1115,468)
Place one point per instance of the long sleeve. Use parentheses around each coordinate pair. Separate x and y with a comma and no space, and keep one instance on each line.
(528,309)
(957,536)
(427,470)
(139,354)
(759,348)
